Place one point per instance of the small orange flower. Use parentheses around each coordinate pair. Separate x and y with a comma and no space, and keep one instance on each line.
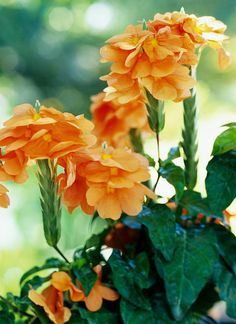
(13,166)
(4,200)
(99,292)
(113,121)
(52,302)
(113,179)
(45,134)
(62,282)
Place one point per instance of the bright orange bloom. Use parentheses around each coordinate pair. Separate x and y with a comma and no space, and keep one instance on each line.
(4,199)
(113,121)
(13,166)
(45,134)
(203,31)
(62,282)
(148,56)
(99,292)
(52,301)
(113,179)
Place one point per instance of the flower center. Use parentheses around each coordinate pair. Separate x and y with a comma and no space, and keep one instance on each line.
(47,137)
(154,42)
(36,117)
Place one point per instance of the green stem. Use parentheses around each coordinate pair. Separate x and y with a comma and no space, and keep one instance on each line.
(189,135)
(61,254)
(50,201)
(159,160)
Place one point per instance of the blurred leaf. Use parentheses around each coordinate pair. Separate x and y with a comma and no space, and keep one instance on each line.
(151,161)
(35,282)
(160,221)
(173,153)
(49,264)
(126,282)
(102,316)
(189,271)
(225,142)
(132,314)
(221,181)
(175,176)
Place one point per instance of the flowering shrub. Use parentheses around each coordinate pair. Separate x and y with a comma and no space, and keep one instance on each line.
(170,260)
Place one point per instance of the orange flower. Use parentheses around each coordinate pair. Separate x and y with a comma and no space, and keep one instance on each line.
(45,134)
(203,31)
(51,300)
(113,121)
(62,282)
(13,166)
(113,179)
(4,200)
(140,56)
(99,292)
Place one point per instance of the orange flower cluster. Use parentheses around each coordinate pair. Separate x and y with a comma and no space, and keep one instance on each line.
(52,299)
(104,180)
(113,120)
(155,58)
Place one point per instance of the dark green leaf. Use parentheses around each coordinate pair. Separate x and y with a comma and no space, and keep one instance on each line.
(226,283)
(35,282)
(226,244)
(225,142)
(175,176)
(86,276)
(129,282)
(132,314)
(160,221)
(195,204)
(151,161)
(173,153)
(221,181)
(49,264)
(103,316)
(189,271)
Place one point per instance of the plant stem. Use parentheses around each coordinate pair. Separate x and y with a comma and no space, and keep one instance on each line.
(189,135)
(61,254)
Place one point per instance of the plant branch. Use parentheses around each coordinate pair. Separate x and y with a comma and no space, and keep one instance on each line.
(61,254)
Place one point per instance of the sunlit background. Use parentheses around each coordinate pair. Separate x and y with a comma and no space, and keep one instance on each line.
(49,50)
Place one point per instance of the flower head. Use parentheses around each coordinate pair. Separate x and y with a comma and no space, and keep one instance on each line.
(99,292)
(45,134)
(52,302)
(13,166)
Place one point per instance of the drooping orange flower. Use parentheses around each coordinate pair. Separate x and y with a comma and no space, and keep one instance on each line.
(99,292)
(62,282)
(4,199)
(45,134)
(113,121)
(202,31)
(52,302)
(13,166)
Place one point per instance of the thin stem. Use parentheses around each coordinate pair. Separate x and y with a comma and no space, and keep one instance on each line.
(158,159)
(15,308)
(61,254)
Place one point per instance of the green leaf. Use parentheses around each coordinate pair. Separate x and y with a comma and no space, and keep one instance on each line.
(128,282)
(221,181)
(132,314)
(103,316)
(151,161)
(160,221)
(226,283)
(173,153)
(195,204)
(50,202)
(86,276)
(225,142)
(189,271)
(226,245)
(156,115)
(35,282)
(175,176)
(49,264)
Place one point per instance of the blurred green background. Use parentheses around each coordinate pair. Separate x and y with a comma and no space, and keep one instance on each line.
(49,50)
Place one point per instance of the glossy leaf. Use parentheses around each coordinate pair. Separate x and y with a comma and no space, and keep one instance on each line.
(131,314)
(102,316)
(86,276)
(221,181)
(225,142)
(160,221)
